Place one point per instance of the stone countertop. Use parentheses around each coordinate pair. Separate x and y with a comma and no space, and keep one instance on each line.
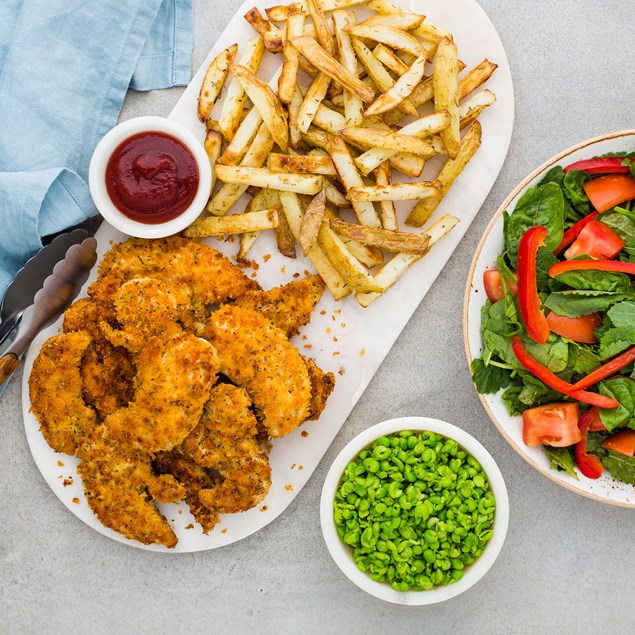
(568,564)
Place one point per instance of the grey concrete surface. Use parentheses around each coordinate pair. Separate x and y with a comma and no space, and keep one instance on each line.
(568,565)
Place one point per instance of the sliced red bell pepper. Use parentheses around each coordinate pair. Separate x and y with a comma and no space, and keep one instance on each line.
(600,165)
(528,298)
(622,442)
(552,380)
(574,231)
(586,265)
(606,370)
(589,464)
(608,191)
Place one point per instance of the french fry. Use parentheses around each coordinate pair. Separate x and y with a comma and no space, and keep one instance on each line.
(234,224)
(369,256)
(322,33)
(390,60)
(285,241)
(234,101)
(469,110)
(312,221)
(394,192)
(229,193)
(301,163)
(213,144)
(380,76)
(477,76)
(262,177)
(280,13)
(331,67)
(291,58)
(349,267)
(332,278)
(395,38)
(447,175)
(395,268)
(373,138)
(390,240)
(247,239)
(329,120)
(334,196)
(214,80)
(266,102)
(387,213)
(445,81)
(399,90)
(312,100)
(271,35)
(353,105)
(295,135)
(349,176)
(402,21)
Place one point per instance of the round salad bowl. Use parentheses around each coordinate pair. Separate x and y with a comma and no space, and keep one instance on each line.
(605,489)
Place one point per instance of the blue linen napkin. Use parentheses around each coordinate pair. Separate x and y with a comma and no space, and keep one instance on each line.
(65,67)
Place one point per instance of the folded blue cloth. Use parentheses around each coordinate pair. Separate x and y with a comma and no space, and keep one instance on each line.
(65,67)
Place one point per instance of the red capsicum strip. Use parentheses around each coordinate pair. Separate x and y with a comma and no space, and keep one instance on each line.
(601,165)
(606,370)
(585,265)
(552,380)
(574,231)
(589,464)
(528,298)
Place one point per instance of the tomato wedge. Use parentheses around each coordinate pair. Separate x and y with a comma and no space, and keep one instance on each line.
(589,464)
(574,231)
(608,191)
(622,442)
(528,298)
(601,165)
(580,329)
(597,241)
(593,419)
(554,424)
(493,283)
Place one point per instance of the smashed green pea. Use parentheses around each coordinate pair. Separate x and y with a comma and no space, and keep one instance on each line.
(435,516)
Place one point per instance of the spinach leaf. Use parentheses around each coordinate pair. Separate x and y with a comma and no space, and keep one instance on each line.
(544,260)
(489,378)
(594,443)
(595,280)
(582,359)
(576,302)
(623,314)
(616,340)
(561,460)
(497,330)
(529,393)
(556,175)
(621,467)
(554,354)
(622,224)
(542,205)
(573,189)
(622,389)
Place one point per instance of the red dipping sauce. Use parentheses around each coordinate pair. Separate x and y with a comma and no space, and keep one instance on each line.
(152,177)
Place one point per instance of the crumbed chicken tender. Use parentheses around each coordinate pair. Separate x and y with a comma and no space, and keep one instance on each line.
(120,487)
(193,478)
(258,356)
(322,385)
(55,386)
(288,307)
(171,387)
(226,439)
(210,277)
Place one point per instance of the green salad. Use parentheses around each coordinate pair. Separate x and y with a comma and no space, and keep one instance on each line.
(558,326)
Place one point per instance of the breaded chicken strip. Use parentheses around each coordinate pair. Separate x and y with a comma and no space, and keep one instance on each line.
(210,277)
(258,356)
(55,386)
(120,485)
(106,371)
(322,385)
(288,307)
(193,478)
(144,308)
(226,439)
(171,387)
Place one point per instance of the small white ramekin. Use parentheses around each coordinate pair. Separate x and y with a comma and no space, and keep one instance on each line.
(343,554)
(97,177)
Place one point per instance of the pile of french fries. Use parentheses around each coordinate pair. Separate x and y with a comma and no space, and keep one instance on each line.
(327,133)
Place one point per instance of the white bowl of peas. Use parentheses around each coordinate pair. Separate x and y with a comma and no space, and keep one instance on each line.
(414,510)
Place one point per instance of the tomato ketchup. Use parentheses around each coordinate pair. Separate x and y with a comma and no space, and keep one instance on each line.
(152,177)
